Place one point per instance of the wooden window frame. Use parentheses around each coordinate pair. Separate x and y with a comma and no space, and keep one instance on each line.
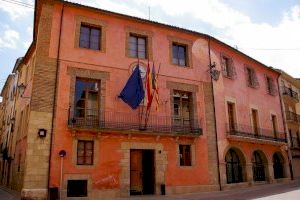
(85,142)
(90,27)
(183,162)
(251,77)
(138,36)
(234,128)
(86,80)
(96,23)
(228,69)
(190,102)
(270,86)
(274,125)
(185,54)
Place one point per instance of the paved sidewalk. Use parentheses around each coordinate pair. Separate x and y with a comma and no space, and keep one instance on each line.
(285,191)
(7,194)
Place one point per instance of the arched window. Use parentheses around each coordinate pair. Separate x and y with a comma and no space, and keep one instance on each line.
(233,167)
(258,167)
(278,166)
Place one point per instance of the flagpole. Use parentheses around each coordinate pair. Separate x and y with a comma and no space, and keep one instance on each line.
(141,114)
(149,109)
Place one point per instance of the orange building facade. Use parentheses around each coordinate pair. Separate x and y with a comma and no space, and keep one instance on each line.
(210,131)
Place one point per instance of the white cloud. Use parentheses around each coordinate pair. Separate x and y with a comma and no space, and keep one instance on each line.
(16,11)
(9,39)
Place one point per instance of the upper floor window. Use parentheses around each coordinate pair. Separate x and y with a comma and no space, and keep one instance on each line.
(227,67)
(137,46)
(181,107)
(90,37)
(85,152)
(251,77)
(274,125)
(179,54)
(86,98)
(270,86)
(231,116)
(255,122)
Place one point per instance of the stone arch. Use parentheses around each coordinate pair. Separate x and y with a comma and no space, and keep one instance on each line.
(259,166)
(278,165)
(235,166)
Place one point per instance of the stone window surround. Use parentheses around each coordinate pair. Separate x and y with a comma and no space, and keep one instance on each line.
(193,154)
(232,101)
(193,89)
(95,152)
(93,23)
(184,42)
(161,162)
(222,54)
(77,177)
(255,82)
(75,72)
(143,33)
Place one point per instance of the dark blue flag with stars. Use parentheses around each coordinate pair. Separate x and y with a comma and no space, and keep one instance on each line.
(133,92)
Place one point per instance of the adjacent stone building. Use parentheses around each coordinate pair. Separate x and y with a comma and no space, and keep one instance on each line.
(290,90)
(74,137)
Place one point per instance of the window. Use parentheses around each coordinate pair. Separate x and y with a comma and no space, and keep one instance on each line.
(179,53)
(234,169)
(258,167)
(77,188)
(181,107)
(274,125)
(227,67)
(137,46)
(251,77)
(231,117)
(86,99)
(90,37)
(278,167)
(270,86)
(85,152)
(254,115)
(185,155)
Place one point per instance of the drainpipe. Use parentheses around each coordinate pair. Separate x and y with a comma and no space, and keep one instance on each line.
(215,118)
(55,91)
(286,132)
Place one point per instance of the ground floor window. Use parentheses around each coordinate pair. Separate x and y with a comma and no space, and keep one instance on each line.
(278,166)
(185,155)
(234,171)
(77,188)
(258,167)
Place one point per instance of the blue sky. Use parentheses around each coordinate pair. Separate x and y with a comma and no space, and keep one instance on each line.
(263,29)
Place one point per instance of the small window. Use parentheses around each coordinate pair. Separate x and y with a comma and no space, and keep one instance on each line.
(227,67)
(231,117)
(179,53)
(85,152)
(185,155)
(251,77)
(270,86)
(77,188)
(90,37)
(137,46)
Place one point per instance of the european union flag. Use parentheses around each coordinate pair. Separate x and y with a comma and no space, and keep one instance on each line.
(133,92)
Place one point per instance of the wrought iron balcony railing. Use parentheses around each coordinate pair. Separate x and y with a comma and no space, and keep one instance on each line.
(290,92)
(295,142)
(249,132)
(291,116)
(119,121)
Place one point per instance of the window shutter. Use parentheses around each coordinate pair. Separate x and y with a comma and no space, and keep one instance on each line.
(232,68)
(247,76)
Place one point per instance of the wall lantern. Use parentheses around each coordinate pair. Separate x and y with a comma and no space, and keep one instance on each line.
(42,132)
(12,120)
(214,73)
(62,153)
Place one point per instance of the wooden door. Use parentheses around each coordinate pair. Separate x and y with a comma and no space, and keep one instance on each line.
(136,172)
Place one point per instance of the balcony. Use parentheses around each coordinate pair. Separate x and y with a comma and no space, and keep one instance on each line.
(133,123)
(292,117)
(246,133)
(295,143)
(290,92)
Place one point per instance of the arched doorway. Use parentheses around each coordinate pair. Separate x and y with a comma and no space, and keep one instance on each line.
(234,166)
(259,163)
(278,165)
